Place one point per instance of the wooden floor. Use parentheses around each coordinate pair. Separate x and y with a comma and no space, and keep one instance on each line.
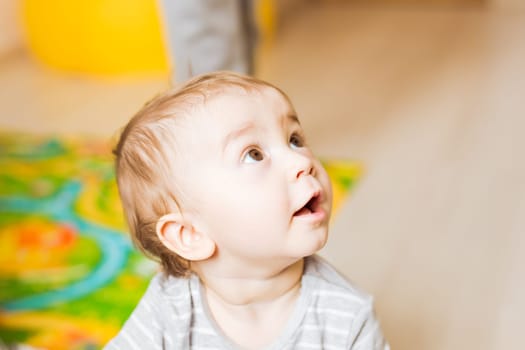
(432,102)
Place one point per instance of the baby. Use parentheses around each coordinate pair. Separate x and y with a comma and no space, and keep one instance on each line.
(218,184)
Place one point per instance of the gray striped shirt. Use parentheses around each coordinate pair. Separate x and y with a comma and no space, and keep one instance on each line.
(330,314)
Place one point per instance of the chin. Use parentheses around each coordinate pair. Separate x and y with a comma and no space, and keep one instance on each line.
(320,246)
(315,245)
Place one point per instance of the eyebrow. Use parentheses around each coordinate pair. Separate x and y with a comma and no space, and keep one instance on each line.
(292,118)
(248,126)
(237,133)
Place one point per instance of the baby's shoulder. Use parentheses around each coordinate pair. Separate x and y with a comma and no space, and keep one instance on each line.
(167,302)
(160,316)
(166,297)
(168,288)
(338,309)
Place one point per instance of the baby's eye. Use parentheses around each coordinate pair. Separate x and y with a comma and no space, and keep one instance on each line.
(252,156)
(296,141)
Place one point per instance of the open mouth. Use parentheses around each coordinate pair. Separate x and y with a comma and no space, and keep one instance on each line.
(310,207)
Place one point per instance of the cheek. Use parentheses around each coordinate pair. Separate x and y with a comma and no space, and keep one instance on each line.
(258,206)
(325,181)
(246,215)
(236,211)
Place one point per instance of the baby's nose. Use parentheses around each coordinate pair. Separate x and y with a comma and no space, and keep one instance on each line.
(303,165)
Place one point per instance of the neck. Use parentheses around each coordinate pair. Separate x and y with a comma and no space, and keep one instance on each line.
(243,290)
(253,311)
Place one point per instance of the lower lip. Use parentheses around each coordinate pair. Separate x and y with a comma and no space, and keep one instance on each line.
(317,216)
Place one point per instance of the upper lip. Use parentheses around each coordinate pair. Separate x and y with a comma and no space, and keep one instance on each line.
(312,202)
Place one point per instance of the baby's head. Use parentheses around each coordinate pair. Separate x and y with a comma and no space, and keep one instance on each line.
(217,173)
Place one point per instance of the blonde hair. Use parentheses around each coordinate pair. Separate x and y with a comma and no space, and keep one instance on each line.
(144,159)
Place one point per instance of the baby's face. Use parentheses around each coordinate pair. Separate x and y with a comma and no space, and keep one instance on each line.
(253,182)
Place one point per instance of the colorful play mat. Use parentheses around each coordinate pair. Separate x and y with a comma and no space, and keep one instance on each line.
(69,275)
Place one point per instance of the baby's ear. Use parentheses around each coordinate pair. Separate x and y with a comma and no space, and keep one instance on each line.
(180,237)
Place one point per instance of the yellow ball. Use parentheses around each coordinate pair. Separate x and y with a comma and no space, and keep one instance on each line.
(101,37)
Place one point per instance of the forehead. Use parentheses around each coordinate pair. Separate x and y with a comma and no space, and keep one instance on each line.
(221,118)
(265,105)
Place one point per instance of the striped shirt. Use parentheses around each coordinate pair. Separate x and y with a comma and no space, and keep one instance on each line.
(330,314)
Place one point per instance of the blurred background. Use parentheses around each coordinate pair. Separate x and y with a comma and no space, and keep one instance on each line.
(426,95)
